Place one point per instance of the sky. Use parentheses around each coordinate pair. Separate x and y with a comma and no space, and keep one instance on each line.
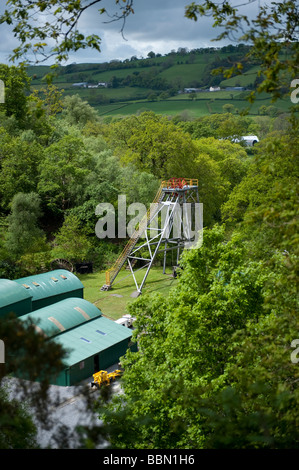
(156,25)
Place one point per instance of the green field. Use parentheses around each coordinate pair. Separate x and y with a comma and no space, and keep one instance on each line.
(208,95)
(184,74)
(112,94)
(282,105)
(197,108)
(113,303)
(242,80)
(168,107)
(121,73)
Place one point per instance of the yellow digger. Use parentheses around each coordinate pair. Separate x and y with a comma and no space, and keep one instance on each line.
(104,378)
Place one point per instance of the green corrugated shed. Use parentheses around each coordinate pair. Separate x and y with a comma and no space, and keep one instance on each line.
(14,299)
(51,287)
(92,346)
(62,316)
(92,338)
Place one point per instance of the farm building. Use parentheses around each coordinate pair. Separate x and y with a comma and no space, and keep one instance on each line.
(92,341)
(51,287)
(14,299)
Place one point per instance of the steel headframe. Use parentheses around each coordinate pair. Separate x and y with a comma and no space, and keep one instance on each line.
(167,226)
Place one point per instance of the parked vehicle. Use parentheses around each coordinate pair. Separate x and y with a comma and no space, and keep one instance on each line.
(125,320)
(250,140)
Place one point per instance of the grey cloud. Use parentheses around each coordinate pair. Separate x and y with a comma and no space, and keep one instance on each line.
(157,25)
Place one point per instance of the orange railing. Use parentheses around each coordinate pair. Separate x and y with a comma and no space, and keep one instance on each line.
(179,183)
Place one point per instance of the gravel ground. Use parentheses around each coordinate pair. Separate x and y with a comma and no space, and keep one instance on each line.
(67,411)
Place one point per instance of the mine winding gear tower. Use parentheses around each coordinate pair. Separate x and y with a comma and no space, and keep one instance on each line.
(166,226)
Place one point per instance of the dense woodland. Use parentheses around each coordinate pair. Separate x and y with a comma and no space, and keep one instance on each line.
(217,363)
(214,366)
(59,160)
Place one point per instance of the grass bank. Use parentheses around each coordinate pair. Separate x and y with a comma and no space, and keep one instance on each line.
(113,303)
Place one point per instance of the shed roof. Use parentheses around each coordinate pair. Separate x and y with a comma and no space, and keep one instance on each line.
(49,284)
(11,292)
(62,316)
(91,338)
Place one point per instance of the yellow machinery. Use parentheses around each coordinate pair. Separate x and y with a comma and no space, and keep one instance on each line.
(104,378)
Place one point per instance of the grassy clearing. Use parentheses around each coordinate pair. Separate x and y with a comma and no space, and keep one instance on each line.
(113,303)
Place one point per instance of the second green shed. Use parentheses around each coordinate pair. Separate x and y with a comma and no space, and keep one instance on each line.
(62,316)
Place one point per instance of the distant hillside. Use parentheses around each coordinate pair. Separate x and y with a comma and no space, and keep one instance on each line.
(112,87)
(171,72)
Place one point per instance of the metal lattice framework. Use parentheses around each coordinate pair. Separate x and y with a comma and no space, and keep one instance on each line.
(165,227)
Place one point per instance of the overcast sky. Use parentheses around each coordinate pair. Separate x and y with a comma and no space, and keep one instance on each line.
(157,25)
